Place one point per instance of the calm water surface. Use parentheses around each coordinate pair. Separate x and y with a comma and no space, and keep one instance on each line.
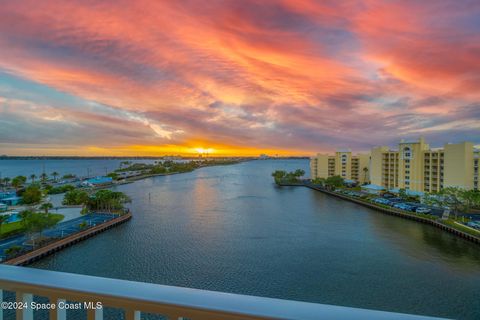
(80,167)
(230,229)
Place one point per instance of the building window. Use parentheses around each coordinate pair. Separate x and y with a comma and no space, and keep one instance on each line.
(406,153)
(407,177)
(407,166)
(407,172)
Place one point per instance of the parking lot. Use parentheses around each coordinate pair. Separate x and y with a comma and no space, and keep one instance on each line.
(471,220)
(61,230)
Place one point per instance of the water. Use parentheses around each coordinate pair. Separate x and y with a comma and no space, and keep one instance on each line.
(230,229)
(80,167)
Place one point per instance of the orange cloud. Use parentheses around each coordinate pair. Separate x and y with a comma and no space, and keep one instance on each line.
(250,75)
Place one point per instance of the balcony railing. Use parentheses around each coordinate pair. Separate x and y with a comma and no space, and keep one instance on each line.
(173,302)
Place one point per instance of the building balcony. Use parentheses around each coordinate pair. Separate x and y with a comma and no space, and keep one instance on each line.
(136,298)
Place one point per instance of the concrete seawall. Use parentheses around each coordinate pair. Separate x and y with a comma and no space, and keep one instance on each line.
(53,247)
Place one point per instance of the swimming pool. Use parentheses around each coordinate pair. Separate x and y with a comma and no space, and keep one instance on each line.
(12,217)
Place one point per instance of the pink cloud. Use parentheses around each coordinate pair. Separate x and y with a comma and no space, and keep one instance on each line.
(251,73)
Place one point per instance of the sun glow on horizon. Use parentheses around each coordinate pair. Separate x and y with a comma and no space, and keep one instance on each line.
(235,78)
(205,150)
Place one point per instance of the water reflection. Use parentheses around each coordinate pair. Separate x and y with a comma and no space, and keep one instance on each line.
(230,229)
(425,242)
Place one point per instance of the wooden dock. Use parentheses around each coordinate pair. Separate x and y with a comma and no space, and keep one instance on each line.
(53,247)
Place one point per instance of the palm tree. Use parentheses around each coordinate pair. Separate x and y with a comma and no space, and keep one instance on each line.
(55,175)
(43,177)
(18,181)
(5,182)
(33,177)
(365,171)
(46,206)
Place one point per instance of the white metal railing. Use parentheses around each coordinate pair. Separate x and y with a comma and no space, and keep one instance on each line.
(173,302)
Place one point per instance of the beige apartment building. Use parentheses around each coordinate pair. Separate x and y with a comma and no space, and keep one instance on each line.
(413,166)
(343,163)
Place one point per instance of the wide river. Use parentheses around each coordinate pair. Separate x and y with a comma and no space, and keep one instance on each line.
(80,167)
(228,228)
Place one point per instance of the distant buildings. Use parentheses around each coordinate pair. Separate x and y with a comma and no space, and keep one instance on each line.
(129,174)
(343,163)
(413,166)
(97,181)
(9,198)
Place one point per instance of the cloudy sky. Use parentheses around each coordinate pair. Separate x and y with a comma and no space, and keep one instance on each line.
(238,77)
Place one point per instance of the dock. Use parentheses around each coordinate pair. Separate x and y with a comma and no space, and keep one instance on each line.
(63,243)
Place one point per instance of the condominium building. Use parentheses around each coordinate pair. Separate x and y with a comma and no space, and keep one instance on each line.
(415,166)
(412,166)
(343,163)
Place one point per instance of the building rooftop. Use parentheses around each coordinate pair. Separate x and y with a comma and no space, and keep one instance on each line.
(99,180)
(373,187)
(408,192)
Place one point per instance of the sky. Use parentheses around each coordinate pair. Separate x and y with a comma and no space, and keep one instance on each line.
(286,77)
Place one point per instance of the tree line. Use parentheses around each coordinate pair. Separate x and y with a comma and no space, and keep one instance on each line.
(281,176)
(20,181)
(103,200)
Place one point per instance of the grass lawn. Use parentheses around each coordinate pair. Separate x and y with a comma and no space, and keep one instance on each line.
(461,227)
(12,228)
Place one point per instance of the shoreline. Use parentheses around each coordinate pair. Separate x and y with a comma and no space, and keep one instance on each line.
(141,177)
(62,243)
(393,212)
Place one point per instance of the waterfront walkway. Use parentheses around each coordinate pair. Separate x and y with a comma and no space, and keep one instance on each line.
(61,230)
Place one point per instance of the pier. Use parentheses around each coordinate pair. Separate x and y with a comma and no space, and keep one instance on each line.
(68,241)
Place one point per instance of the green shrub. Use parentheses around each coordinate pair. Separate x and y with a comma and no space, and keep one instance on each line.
(60,189)
(13,251)
(32,194)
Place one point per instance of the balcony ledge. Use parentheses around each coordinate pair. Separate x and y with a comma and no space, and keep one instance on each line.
(182,302)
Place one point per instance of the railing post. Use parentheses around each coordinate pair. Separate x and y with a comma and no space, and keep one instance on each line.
(57,313)
(25,312)
(95,314)
(132,314)
(1,300)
